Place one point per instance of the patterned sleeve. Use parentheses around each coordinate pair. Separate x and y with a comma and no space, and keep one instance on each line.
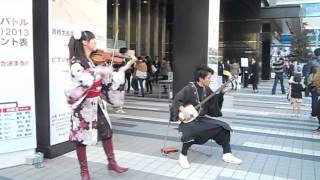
(113,88)
(81,81)
(82,76)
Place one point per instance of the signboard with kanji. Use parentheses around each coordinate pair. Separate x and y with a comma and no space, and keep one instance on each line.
(17,99)
(67,17)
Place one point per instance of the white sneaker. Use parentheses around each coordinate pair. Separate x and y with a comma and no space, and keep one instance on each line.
(229,158)
(183,162)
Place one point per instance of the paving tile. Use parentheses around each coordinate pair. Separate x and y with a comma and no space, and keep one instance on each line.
(295,169)
(282,167)
(279,147)
(252,176)
(5,178)
(279,178)
(227,172)
(265,177)
(258,164)
(213,172)
(270,165)
(239,174)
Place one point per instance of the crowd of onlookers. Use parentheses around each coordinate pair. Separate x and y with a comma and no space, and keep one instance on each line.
(141,77)
(144,73)
(245,75)
(302,78)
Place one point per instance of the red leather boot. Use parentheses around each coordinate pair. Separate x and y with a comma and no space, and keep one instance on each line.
(82,157)
(108,149)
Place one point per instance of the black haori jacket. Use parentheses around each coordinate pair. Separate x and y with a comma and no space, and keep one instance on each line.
(205,121)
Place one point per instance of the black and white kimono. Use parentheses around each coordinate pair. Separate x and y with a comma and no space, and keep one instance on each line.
(193,94)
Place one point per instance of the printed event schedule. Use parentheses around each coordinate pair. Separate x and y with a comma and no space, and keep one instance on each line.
(15,121)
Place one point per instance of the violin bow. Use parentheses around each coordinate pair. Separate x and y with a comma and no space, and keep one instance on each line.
(114,46)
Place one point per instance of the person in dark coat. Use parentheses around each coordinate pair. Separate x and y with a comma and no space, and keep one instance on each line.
(226,66)
(220,69)
(204,127)
(290,70)
(304,75)
(245,73)
(313,66)
(128,72)
(254,75)
(149,74)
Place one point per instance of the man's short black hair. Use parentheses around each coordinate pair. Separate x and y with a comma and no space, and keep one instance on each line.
(317,52)
(202,72)
(123,50)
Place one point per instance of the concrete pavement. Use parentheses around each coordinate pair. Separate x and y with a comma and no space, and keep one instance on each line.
(272,144)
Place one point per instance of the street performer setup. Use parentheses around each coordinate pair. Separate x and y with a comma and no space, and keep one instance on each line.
(199,126)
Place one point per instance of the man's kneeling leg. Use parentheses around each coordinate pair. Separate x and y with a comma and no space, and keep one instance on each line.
(223,138)
(183,158)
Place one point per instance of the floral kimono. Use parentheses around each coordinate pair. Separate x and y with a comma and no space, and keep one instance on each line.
(115,91)
(88,101)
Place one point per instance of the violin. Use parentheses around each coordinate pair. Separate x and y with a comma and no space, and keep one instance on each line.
(100,57)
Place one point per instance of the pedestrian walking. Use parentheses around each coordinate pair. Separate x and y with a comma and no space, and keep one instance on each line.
(254,75)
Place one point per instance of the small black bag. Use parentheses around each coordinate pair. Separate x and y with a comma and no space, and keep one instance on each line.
(134,84)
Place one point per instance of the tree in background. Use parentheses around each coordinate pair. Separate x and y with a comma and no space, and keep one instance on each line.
(300,46)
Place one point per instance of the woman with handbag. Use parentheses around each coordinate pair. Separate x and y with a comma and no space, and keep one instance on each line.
(90,118)
(141,73)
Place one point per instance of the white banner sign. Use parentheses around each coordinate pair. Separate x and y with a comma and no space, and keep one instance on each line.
(213,41)
(244,62)
(65,18)
(17,104)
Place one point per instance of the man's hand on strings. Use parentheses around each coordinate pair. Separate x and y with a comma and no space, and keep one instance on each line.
(226,89)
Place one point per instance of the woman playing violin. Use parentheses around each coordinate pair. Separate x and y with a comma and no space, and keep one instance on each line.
(90,118)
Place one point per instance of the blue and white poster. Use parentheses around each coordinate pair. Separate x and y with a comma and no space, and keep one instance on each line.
(65,18)
(213,41)
(17,102)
